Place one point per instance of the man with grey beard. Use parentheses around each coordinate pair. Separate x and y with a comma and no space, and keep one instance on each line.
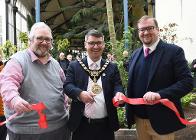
(33,76)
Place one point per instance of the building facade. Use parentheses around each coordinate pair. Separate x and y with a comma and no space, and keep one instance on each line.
(181,12)
(7,22)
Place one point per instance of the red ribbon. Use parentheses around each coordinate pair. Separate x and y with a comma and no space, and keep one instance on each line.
(42,117)
(140,101)
(39,107)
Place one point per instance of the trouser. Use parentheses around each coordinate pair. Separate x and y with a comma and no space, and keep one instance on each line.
(62,133)
(95,129)
(3,129)
(146,132)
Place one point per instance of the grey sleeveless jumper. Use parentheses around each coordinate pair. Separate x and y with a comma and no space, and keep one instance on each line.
(42,83)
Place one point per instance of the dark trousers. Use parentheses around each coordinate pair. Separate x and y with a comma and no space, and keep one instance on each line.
(3,129)
(98,130)
(62,133)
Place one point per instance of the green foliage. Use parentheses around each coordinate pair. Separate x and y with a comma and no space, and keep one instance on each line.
(132,41)
(85,15)
(121,117)
(24,40)
(68,8)
(132,44)
(118,52)
(186,100)
(30,21)
(62,44)
(194,90)
(86,12)
(8,49)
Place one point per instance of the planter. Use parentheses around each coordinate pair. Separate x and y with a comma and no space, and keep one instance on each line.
(125,134)
(189,133)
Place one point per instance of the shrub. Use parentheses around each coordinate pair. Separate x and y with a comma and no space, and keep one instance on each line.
(121,117)
(186,100)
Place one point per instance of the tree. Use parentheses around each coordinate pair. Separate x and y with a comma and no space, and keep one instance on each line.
(88,14)
(111,24)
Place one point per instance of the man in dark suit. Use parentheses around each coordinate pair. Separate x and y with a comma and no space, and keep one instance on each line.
(64,62)
(92,83)
(157,70)
(193,67)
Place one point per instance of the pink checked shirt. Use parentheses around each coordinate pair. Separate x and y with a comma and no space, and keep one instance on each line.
(11,78)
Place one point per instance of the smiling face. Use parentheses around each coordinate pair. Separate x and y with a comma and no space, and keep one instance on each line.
(41,42)
(148,31)
(94,47)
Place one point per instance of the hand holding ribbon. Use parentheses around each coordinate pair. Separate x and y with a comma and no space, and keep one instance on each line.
(165,102)
(119,98)
(39,107)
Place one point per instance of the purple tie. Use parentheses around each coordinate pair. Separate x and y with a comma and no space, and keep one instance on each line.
(146,52)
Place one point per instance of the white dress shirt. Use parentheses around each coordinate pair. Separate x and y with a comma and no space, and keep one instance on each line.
(96,109)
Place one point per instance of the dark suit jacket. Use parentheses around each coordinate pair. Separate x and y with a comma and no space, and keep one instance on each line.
(77,81)
(192,68)
(64,64)
(171,78)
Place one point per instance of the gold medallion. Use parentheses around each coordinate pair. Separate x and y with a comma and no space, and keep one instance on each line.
(95,75)
(96,89)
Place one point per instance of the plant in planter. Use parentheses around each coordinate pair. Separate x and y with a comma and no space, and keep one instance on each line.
(62,44)
(23,37)
(121,117)
(186,100)
(131,44)
(8,49)
(121,53)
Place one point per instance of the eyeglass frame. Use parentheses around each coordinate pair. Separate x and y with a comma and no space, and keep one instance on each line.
(41,39)
(92,45)
(149,29)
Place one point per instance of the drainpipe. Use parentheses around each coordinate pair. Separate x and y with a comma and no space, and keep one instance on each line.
(7,19)
(15,9)
(153,7)
(37,5)
(125,3)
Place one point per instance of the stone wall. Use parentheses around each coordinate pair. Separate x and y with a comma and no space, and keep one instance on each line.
(188,133)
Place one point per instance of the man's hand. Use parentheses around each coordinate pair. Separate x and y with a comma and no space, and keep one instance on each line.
(20,105)
(118,96)
(151,97)
(87,97)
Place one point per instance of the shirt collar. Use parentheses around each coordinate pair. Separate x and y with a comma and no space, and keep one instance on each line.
(89,61)
(34,57)
(152,47)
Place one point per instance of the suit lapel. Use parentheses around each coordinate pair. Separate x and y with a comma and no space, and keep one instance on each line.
(85,75)
(103,76)
(133,62)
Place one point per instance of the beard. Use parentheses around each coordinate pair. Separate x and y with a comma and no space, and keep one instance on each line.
(39,52)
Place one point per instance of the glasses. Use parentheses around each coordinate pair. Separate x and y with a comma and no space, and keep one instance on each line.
(41,39)
(98,43)
(149,29)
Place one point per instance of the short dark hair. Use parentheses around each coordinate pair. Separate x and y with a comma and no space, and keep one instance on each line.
(94,33)
(146,18)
